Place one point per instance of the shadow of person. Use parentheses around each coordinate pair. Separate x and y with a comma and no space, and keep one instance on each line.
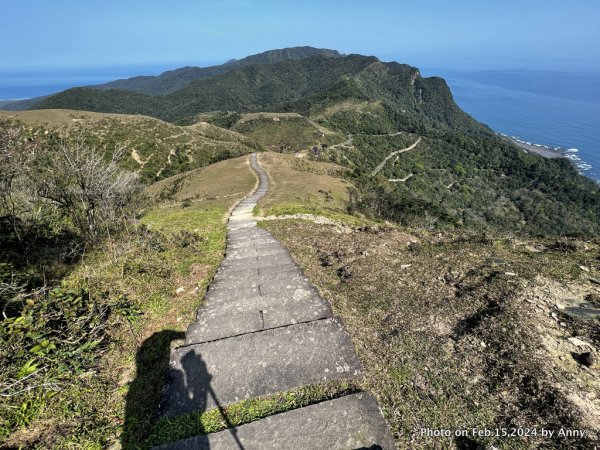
(143,397)
(188,390)
(162,391)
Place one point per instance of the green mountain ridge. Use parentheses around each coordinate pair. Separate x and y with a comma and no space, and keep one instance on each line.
(462,174)
(173,80)
(291,85)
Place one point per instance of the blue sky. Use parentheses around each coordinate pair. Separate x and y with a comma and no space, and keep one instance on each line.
(43,36)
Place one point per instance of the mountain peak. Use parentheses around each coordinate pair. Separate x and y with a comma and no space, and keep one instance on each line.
(276,55)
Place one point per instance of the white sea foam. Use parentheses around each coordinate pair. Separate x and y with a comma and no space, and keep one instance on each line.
(568,153)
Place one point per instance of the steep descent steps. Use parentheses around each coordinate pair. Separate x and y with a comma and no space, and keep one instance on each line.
(265,329)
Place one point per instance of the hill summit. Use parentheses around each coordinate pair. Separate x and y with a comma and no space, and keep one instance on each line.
(174,80)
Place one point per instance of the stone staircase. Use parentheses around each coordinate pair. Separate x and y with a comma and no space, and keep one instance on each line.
(264,329)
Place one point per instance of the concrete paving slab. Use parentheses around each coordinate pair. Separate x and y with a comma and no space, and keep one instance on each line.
(231,274)
(238,240)
(260,261)
(255,251)
(285,275)
(256,242)
(297,299)
(210,327)
(252,286)
(287,288)
(293,276)
(275,260)
(237,264)
(346,423)
(225,371)
(223,327)
(268,270)
(220,295)
(235,242)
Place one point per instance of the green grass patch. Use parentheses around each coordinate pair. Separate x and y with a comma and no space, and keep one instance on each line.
(171,430)
(450,327)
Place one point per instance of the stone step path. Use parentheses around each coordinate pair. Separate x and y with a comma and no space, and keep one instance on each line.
(265,329)
(350,422)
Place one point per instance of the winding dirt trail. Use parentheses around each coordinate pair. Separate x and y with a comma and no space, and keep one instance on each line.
(391,155)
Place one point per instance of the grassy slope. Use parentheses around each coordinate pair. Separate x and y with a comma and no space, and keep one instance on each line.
(454,330)
(183,248)
(154,148)
(301,186)
(468,176)
(444,325)
(286,131)
(475,181)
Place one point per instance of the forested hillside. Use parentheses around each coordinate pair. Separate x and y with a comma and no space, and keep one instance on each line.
(299,85)
(173,80)
(460,174)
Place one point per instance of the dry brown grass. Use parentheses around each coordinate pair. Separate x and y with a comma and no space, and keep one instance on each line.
(61,117)
(446,335)
(300,186)
(350,105)
(230,179)
(268,115)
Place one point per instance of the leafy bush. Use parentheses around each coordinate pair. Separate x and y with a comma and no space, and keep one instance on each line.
(53,336)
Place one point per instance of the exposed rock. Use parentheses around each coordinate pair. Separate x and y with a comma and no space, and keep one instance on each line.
(452,276)
(578,342)
(329,259)
(414,246)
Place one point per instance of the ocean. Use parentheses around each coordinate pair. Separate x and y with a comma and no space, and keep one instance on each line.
(15,85)
(559,110)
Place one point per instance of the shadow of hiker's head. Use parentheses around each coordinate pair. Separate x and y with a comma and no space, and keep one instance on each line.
(155,350)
